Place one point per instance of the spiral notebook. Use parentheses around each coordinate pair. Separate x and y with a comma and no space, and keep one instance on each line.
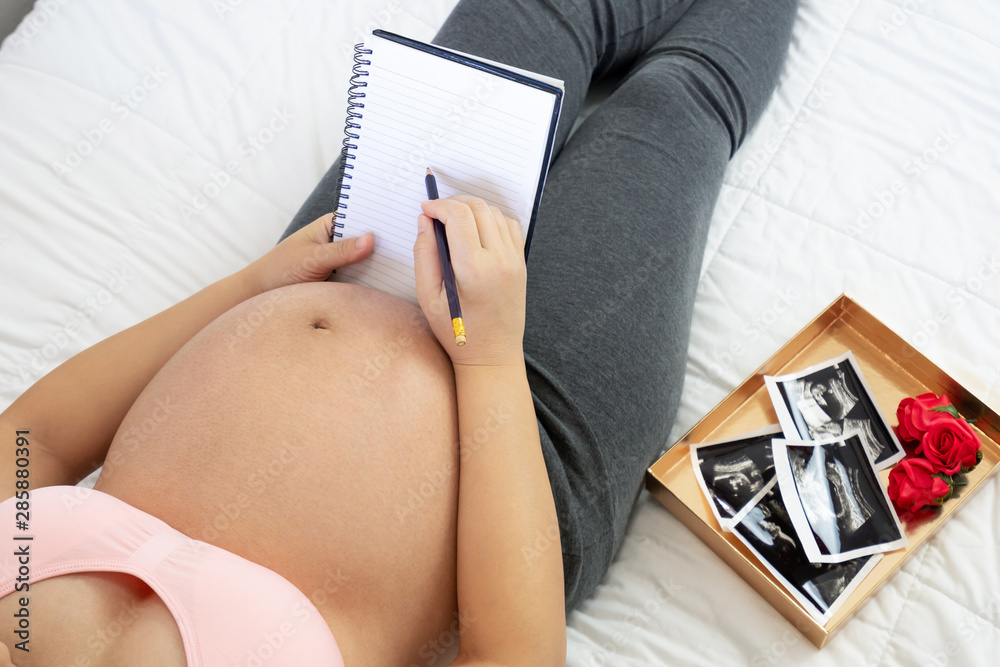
(486,130)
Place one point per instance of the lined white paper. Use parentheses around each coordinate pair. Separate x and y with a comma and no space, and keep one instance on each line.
(481,134)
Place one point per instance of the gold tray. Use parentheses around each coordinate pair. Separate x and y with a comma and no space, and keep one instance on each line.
(894,370)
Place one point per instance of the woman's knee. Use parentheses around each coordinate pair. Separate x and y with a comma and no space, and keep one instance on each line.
(683,86)
(723,58)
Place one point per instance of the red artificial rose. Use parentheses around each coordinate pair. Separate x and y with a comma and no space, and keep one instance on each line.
(950,445)
(914,483)
(916,414)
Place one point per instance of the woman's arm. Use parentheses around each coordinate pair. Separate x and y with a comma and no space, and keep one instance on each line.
(510,594)
(512,591)
(74,411)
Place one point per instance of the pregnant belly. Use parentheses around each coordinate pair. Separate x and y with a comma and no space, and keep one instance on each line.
(313,430)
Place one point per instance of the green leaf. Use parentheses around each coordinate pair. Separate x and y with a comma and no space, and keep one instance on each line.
(950,409)
(946,477)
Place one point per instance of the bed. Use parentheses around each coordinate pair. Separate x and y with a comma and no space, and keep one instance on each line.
(873,172)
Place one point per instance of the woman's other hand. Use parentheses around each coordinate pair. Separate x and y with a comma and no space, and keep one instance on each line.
(487,253)
(307,256)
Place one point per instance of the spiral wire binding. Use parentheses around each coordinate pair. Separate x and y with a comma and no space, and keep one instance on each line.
(355,93)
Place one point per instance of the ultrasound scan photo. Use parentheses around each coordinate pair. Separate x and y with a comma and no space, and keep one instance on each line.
(830,400)
(733,473)
(837,503)
(819,587)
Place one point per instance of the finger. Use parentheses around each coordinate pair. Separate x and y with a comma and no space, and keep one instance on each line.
(426,263)
(485,223)
(501,223)
(347,251)
(317,231)
(459,223)
(516,233)
(325,228)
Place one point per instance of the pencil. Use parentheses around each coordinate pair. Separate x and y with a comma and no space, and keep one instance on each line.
(447,272)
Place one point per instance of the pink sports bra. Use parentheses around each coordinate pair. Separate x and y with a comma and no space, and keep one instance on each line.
(229,610)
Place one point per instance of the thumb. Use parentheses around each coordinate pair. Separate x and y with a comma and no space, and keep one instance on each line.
(347,251)
(426,262)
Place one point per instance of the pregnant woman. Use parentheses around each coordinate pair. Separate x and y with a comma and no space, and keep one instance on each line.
(299,472)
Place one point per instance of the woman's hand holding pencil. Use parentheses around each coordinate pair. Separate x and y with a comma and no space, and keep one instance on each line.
(487,255)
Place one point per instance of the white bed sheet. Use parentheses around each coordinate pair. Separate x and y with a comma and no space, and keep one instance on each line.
(118,120)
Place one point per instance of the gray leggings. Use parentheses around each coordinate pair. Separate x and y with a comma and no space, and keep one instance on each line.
(620,234)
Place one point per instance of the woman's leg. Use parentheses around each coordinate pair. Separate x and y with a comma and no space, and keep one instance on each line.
(574,40)
(615,261)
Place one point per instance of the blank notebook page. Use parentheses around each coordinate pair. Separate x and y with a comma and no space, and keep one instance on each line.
(481,134)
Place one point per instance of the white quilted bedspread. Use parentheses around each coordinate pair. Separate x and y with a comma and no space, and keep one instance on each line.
(150,148)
